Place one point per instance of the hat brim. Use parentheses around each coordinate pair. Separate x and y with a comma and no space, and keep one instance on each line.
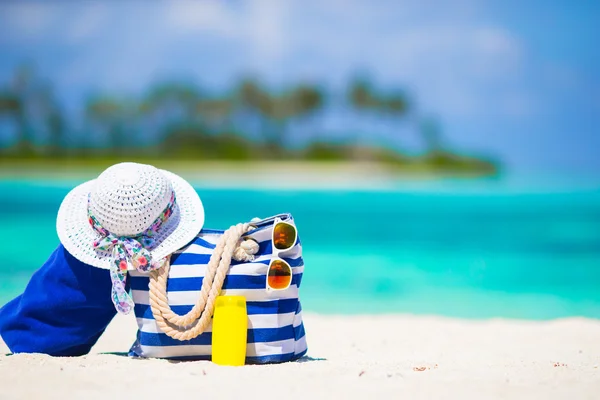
(77,235)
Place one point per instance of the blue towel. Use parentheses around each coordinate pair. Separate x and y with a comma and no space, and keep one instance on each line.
(65,308)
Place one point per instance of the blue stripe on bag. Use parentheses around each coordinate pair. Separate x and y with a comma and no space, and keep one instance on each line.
(299,332)
(300,355)
(204,243)
(260,335)
(195,283)
(203,259)
(299,280)
(280,306)
(275,358)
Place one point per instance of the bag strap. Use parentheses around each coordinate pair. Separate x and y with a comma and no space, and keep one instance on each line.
(195,322)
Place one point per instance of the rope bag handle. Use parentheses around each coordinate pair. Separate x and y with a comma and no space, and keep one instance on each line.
(195,322)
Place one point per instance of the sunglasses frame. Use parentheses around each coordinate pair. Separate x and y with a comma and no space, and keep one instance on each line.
(275,254)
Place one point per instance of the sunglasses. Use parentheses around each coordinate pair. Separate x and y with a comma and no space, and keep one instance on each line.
(279,275)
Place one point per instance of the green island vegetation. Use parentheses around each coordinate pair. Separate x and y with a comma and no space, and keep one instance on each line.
(181,122)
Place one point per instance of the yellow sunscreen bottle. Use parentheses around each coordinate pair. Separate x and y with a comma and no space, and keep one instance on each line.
(229,331)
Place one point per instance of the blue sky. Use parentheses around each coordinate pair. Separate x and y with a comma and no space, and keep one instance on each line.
(520,80)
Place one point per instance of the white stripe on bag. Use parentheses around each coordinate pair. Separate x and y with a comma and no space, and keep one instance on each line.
(298,320)
(255,321)
(199,270)
(198,249)
(187,298)
(300,345)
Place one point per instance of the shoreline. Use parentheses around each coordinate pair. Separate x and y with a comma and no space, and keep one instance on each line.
(317,176)
(368,173)
(348,357)
(279,175)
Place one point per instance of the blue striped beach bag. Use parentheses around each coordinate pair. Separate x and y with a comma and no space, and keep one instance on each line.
(173,304)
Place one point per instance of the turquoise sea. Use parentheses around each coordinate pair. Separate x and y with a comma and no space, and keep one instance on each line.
(474,249)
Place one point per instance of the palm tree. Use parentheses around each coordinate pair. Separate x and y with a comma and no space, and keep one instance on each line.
(53,119)
(360,94)
(176,97)
(108,115)
(13,103)
(216,113)
(172,109)
(277,110)
(250,97)
(30,103)
(306,99)
(363,97)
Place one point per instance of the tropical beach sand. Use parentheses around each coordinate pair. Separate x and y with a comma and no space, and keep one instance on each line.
(264,174)
(349,357)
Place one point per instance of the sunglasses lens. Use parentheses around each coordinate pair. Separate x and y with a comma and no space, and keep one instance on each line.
(284,236)
(280,275)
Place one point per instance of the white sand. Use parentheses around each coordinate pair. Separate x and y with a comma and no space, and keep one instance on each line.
(279,175)
(350,357)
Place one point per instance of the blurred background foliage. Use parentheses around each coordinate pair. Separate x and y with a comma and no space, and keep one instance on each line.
(191,123)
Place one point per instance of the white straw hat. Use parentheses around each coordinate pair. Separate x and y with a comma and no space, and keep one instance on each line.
(126,199)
